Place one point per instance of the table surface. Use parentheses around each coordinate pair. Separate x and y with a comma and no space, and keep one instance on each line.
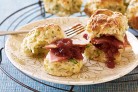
(7,85)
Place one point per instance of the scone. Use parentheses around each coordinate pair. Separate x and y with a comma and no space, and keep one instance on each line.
(132,14)
(62,7)
(36,39)
(107,35)
(64,67)
(114,5)
(64,59)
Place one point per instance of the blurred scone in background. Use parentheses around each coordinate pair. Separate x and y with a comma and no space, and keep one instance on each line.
(114,5)
(62,7)
(132,14)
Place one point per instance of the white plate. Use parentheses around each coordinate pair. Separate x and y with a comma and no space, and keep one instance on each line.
(92,73)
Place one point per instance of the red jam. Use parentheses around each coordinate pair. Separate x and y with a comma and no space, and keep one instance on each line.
(85,36)
(110,64)
(67,49)
(109,45)
(110,51)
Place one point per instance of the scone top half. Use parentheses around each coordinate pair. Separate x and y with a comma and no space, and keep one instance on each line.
(38,37)
(106,22)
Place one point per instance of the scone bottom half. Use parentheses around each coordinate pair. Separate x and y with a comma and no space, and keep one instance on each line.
(64,58)
(62,7)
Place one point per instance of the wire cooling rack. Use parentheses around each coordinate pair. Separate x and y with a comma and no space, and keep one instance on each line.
(35,12)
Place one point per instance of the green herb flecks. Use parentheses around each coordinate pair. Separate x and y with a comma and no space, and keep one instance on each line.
(88,45)
(73,61)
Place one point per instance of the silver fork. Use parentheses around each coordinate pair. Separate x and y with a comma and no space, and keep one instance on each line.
(74,30)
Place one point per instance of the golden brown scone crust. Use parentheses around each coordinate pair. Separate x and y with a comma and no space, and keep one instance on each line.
(132,14)
(114,5)
(107,22)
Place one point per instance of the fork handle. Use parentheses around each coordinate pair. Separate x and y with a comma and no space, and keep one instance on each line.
(2,33)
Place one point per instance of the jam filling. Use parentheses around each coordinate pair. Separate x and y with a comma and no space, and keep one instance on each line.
(109,51)
(65,48)
(85,36)
(109,45)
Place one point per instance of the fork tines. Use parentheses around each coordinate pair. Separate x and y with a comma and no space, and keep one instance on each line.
(77,29)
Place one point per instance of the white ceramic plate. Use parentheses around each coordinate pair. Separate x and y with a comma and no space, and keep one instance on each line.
(92,72)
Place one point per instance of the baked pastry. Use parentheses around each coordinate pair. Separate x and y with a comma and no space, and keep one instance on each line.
(64,67)
(64,59)
(62,7)
(106,31)
(114,5)
(36,39)
(132,14)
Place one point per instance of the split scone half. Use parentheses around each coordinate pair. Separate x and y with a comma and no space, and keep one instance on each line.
(114,5)
(37,38)
(107,35)
(64,58)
